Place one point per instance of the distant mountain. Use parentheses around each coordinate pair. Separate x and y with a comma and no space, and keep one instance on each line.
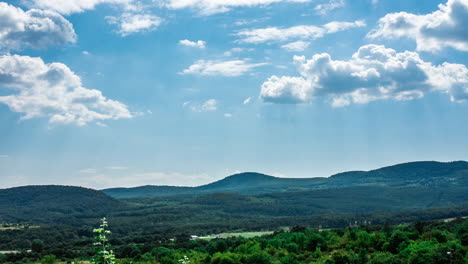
(424,173)
(51,203)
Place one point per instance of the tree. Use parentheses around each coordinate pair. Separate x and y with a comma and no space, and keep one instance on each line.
(49,259)
(37,246)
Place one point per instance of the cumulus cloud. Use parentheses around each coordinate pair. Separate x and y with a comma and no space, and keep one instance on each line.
(446,27)
(373,73)
(325,8)
(131,23)
(296,46)
(304,32)
(33,28)
(230,68)
(196,44)
(209,7)
(247,100)
(53,91)
(73,6)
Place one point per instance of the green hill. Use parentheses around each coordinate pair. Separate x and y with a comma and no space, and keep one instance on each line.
(46,204)
(424,174)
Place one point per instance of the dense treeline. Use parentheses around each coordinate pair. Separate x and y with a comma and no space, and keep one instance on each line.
(66,240)
(420,242)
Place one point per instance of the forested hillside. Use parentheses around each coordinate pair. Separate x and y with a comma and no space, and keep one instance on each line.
(52,204)
(423,174)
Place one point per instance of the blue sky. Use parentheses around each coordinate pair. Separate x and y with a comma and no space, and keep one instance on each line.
(105,93)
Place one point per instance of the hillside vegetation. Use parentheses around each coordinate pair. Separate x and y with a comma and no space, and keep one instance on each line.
(418,243)
(424,174)
(50,203)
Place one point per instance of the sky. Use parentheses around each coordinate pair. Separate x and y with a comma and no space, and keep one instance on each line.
(111,93)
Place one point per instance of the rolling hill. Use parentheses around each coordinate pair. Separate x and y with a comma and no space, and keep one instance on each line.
(424,173)
(50,203)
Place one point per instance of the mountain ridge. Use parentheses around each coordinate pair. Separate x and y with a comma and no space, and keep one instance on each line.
(419,173)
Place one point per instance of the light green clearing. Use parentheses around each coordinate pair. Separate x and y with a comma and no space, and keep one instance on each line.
(15,226)
(241,234)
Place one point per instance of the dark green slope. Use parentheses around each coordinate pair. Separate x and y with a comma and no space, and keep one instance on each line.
(426,173)
(47,204)
(358,199)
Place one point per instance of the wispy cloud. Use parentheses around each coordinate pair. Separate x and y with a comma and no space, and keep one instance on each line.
(117,168)
(74,6)
(301,32)
(230,68)
(207,106)
(209,7)
(88,171)
(296,46)
(325,8)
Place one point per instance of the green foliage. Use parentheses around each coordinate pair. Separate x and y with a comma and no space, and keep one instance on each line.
(104,255)
(37,246)
(49,259)
(434,243)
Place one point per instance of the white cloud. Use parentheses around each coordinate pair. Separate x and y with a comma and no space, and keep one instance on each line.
(285,90)
(88,171)
(373,73)
(232,51)
(247,100)
(196,44)
(337,26)
(304,32)
(209,7)
(446,27)
(74,6)
(296,46)
(209,105)
(324,9)
(230,68)
(33,28)
(228,115)
(53,91)
(117,168)
(131,23)
(243,22)
(85,52)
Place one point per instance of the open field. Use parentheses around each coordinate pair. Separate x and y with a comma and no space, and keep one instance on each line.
(239,234)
